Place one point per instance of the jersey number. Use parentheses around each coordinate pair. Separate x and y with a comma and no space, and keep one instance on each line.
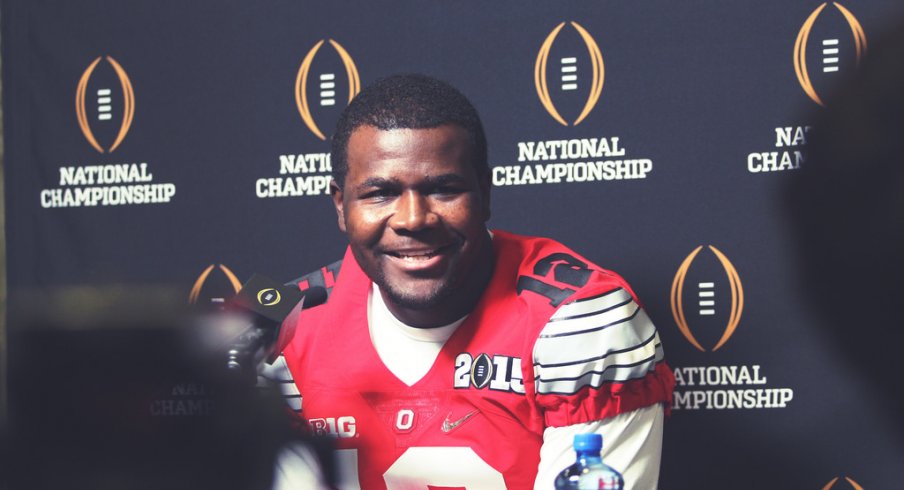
(561,268)
(423,467)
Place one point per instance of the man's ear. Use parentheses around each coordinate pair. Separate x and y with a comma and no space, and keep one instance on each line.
(336,194)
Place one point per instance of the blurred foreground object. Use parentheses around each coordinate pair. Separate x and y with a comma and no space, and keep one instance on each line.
(115,400)
(847,210)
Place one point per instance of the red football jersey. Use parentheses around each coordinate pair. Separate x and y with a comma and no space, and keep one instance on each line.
(554,341)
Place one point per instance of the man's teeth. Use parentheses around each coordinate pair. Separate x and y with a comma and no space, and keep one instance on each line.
(416,256)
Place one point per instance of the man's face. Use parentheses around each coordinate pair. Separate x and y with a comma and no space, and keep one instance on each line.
(415,213)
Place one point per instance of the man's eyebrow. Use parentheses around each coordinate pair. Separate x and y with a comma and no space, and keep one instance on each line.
(445,179)
(377,182)
(432,181)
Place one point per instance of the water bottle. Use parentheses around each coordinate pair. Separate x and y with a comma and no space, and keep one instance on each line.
(589,471)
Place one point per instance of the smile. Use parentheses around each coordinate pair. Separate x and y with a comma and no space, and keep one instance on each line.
(416,255)
(420,260)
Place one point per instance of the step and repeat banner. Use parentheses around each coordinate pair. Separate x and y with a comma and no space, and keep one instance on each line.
(184,146)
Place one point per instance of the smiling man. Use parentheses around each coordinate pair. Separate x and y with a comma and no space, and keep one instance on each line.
(451,356)
(415,209)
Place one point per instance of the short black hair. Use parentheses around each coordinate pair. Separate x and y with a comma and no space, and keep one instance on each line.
(409,101)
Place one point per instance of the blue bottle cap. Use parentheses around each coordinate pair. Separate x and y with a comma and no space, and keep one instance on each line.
(588,442)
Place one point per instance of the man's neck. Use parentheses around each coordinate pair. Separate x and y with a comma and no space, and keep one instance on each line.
(451,309)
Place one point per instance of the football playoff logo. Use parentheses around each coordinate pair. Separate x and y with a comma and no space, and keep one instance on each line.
(268,297)
(218,292)
(326,88)
(102,112)
(710,312)
(852,483)
(835,52)
(570,74)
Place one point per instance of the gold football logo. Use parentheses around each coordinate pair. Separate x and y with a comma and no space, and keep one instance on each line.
(199,283)
(853,484)
(301,83)
(800,47)
(597,67)
(737,298)
(128,102)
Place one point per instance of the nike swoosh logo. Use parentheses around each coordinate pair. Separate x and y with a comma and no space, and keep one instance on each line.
(449,425)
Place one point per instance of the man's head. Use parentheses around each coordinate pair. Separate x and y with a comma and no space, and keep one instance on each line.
(412,192)
(412,102)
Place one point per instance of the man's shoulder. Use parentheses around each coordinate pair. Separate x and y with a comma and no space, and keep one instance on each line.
(533,249)
(324,277)
(553,270)
(307,323)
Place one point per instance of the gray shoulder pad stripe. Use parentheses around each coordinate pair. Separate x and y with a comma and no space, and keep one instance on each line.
(591,329)
(597,303)
(558,318)
(595,380)
(651,338)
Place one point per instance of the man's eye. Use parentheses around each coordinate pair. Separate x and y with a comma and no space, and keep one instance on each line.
(448,190)
(378,194)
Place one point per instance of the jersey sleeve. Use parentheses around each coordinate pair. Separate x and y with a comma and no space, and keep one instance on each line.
(599,356)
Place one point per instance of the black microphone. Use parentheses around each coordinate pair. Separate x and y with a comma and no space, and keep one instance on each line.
(272,311)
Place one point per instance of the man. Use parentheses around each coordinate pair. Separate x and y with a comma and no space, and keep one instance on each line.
(451,356)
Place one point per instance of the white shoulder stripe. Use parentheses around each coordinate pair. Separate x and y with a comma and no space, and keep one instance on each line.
(291,396)
(592,305)
(644,359)
(570,379)
(595,379)
(615,343)
(279,374)
(598,355)
(594,340)
(618,367)
(613,315)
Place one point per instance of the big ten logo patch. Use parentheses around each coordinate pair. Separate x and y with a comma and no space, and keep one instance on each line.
(707,298)
(831,41)
(497,372)
(341,427)
(214,286)
(569,73)
(104,104)
(327,81)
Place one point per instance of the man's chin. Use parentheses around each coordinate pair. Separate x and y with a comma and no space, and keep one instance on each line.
(425,298)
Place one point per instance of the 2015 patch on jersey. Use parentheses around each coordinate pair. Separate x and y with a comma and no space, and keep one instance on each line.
(498,372)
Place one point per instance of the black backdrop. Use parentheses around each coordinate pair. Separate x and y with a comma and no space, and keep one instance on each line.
(180,149)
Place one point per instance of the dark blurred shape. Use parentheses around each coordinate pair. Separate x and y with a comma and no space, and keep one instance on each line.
(133,403)
(847,209)
(270,311)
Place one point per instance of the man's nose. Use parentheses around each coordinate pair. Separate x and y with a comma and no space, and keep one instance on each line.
(413,212)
